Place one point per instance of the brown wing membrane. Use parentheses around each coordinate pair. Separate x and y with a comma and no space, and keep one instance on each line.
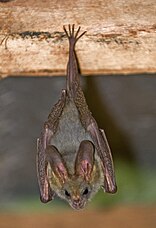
(104,152)
(46,194)
(50,127)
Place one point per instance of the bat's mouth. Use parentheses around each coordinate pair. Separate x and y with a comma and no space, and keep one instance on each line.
(78,205)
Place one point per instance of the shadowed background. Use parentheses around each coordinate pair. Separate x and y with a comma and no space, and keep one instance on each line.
(125,106)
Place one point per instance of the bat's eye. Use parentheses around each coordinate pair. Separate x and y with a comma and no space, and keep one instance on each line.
(85,192)
(67,193)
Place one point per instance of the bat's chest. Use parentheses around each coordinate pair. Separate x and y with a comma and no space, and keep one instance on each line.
(70,133)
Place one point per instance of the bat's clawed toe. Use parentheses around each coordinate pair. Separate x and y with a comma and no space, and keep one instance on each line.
(77,32)
(71,34)
(73,26)
(69,29)
(63,95)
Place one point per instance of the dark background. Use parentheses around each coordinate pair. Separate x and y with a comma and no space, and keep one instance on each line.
(125,106)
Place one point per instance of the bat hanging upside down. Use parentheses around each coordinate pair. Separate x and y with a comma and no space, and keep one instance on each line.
(73,156)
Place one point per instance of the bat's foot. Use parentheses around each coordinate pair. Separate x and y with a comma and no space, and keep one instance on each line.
(71,34)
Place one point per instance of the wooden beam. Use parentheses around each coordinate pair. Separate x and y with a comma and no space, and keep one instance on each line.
(120,38)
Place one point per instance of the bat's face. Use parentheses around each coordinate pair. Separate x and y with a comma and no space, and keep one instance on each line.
(76,192)
(76,189)
(79,185)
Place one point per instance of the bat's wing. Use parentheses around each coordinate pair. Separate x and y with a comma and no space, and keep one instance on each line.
(104,152)
(46,194)
(50,127)
(99,139)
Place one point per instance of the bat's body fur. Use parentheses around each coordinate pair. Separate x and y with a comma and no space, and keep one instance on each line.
(69,135)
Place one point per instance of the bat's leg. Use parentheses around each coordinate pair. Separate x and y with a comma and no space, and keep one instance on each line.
(46,194)
(109,182)
(72,67)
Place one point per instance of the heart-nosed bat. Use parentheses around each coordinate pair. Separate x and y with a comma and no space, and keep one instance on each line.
(73,156)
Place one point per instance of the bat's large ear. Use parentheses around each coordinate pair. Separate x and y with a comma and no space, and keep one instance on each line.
(85,159)
(57,163)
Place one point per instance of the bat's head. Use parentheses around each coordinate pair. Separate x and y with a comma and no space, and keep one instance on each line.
(76,190)
(79,187)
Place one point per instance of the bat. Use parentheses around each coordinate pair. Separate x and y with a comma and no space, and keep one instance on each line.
(73,156)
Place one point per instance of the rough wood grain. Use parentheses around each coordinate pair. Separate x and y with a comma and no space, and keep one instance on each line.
(120,38)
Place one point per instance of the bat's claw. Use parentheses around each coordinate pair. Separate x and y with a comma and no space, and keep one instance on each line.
(71,34)
(64,93)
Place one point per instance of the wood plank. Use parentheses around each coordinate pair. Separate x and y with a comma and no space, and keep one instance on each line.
(120,38)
